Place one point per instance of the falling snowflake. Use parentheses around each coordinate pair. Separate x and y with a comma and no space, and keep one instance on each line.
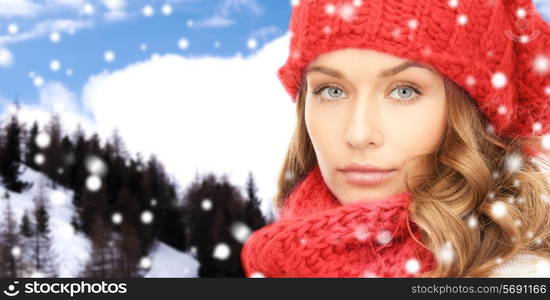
(499,80)
(545,198)
(541,64)
(95,165)
(330,9)
(517,223)
(521,13)
(116,218)
(361,233)
(516,182)
(347,12)
(221,251)
(88,9)
(145,262)
(42,140)
(109,56)
(16,251)
(55,65)
(445,254)
(472,221)
(453,3)
(38,81)
(383,237)
(470,80)
(413,24)
(327,29)
(147,217)
(143,47)
(537,126)
(148,11)
(69,72)
(206,204)
(357,3)
(252,44)
(183,44)
(546,89)
(93,183)
(167,9)
(498,209)
(39,159)
(217,44)
(13,28)
(462,20)
(289,175)
(193,250)
(412,266)
(529,234)
(55,37)
(514,162)
(240,231)
(190,23)
(511,199)
(498,260)
(153,202)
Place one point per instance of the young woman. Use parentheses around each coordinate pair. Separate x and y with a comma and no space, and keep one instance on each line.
(421,145)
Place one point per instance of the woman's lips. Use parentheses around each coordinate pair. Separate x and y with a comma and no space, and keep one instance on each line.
(367,178)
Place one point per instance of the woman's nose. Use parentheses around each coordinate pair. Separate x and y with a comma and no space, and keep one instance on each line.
(363,125)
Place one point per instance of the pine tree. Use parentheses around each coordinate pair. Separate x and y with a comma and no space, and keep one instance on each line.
(54,151)
(42,254)
(12,263)
(31,148)
(253,214)
(10,158)
(214,207)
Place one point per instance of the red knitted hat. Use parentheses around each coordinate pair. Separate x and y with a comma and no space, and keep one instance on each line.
(497,50)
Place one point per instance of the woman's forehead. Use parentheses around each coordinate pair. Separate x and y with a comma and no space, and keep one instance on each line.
(363,62)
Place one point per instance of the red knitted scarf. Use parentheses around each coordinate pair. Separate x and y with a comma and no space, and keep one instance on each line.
(317,236)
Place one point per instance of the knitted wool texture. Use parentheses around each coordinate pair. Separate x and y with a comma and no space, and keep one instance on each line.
(498,51)
(316,236)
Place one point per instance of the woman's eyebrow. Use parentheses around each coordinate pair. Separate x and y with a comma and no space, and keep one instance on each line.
(386,73)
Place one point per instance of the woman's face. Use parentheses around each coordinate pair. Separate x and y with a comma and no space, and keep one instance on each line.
(367,107)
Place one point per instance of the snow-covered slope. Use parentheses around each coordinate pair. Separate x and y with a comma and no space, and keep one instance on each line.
(72,249)
(169,262)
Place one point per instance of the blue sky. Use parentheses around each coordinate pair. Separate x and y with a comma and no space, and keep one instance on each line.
(202,72)
(133,30)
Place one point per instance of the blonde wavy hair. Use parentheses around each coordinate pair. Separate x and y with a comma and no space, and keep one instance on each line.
(474,170)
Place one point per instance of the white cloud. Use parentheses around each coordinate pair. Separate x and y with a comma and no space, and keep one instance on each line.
(116,10)
(74,4)
(201,114)
(45,28)
(13,8)
(223,13)
(54,98)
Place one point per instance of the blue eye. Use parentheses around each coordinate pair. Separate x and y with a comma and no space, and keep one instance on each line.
(405,93)
(329,92)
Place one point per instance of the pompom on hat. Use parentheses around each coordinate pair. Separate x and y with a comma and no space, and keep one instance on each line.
(497,50)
